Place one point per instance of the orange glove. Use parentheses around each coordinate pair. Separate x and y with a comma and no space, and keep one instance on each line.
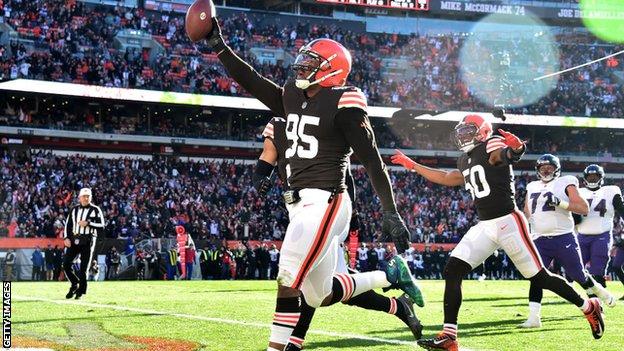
(399,158)
(511,140)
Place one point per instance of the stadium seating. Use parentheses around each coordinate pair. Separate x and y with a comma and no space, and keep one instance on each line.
(84,34)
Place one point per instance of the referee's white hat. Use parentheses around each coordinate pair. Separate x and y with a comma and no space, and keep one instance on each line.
(84,191)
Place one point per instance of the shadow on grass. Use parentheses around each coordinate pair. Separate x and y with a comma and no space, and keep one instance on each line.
(526,304)
(356,344)
(233,290)
(493,298)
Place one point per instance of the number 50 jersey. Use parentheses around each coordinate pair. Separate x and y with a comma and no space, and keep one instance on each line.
(491,187)
(601,210)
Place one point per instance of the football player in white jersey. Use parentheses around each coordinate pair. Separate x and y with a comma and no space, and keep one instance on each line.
(595,229)
(549,205)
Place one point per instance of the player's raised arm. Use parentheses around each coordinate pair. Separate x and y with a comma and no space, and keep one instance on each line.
(507,150)
(357,130)
(438,176)
(260,87)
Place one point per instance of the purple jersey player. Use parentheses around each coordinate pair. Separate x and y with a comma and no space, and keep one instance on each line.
(549,205)
(596,228)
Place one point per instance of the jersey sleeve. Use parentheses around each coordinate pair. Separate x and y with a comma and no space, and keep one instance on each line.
(494,144)
(569,180)
(353,98)
(615,190)
(268,130)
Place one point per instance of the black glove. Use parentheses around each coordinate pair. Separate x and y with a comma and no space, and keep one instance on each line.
(214,39)
(355,222)
(261,177)
(552,201)
(262,184)
(394,226)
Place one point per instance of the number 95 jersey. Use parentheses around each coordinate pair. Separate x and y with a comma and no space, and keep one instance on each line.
(491,187)
(601,210)
(548,219)
(317,152)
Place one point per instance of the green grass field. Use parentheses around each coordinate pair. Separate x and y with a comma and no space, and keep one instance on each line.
(235,315)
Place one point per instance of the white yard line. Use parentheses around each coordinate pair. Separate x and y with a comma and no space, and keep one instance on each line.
(213,319)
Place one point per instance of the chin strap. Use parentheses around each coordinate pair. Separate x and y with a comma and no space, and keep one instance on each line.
(305,83)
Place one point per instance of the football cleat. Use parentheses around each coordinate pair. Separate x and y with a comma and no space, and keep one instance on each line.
(622,298)
(594,317)
(409,318)
(608,299)
(441,342)
(72,291)
(531,322)
(398,274)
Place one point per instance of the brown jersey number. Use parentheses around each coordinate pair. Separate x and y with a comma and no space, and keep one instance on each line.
(295,133)
(475,181)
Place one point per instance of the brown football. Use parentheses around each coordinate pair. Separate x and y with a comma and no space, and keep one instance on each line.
(198,21)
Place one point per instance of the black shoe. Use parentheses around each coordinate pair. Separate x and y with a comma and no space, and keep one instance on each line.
(72,291)
(78,295)
(622,298)
(409,318)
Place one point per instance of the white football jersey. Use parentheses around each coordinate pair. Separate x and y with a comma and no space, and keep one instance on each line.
(362,254)
(601,211)
(549,220)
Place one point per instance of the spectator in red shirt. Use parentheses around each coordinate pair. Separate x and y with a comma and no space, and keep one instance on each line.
(190,260)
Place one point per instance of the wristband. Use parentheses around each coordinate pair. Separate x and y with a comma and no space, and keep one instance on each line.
(564,204)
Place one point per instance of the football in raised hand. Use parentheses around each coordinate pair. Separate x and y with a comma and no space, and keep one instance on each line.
(198,21)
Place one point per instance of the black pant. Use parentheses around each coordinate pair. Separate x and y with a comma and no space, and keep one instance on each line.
(84,249)
(36,273)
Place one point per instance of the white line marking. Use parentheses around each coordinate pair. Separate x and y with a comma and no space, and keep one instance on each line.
(216,320)
(579,66)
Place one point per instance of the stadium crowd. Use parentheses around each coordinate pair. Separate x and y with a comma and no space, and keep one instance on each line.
(62,115)
(74,44)
(214,200)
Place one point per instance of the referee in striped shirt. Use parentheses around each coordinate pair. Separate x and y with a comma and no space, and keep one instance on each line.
(84,223)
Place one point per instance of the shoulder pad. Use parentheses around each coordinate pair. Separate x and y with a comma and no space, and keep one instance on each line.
(352,97)
(268,130)
(494,143)
(614,189)
(569,180)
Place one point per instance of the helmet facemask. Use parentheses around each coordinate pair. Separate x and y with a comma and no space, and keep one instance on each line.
(307,65)
(466,136)
(593,181)
(547,172)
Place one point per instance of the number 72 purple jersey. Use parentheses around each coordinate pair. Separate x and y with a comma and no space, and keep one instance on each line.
(547,219)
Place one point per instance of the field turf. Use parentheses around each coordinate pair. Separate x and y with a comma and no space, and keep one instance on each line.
(235,315)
